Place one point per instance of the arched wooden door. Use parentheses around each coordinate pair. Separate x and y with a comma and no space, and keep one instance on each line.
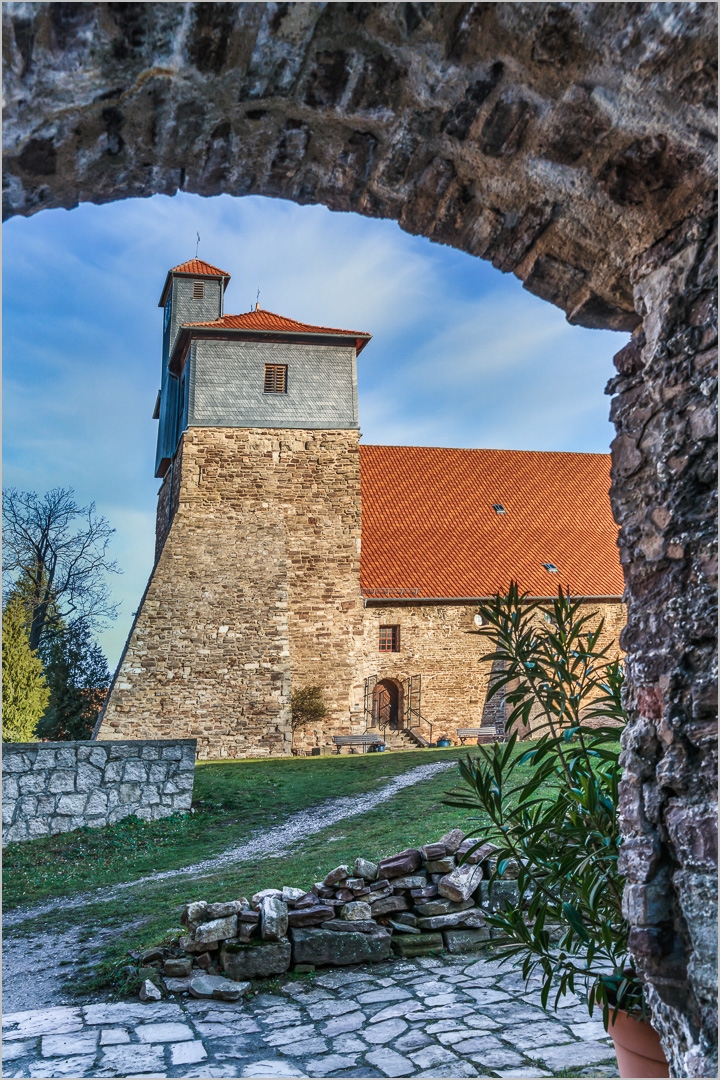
(388,705)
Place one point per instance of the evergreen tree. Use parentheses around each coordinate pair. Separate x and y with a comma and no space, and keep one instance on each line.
(25,693)
(78,678)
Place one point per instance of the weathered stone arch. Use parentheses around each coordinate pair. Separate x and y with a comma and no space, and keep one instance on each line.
(572,144)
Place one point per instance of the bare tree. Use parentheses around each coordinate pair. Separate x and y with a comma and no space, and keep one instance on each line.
(56,552)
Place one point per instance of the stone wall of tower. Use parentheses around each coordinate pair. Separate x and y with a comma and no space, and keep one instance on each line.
(257,576)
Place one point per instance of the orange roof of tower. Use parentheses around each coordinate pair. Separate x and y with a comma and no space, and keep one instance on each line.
(260,321)
(429,525)
(193,268)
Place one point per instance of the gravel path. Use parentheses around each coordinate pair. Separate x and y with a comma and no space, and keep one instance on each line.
(454,1016)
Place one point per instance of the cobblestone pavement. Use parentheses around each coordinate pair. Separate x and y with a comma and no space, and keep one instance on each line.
(450,1016)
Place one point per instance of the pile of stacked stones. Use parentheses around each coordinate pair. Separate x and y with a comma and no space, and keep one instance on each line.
(417,902)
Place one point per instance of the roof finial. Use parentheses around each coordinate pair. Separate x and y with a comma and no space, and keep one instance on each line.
(257,300)
(197,245)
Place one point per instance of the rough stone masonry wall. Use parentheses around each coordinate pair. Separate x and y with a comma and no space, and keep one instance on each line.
(441,643)
(56,787)
(560,141)
(258,575)
(664,497)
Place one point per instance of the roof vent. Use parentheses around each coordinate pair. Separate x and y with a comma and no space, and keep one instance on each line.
(499,508)
(551,568)
(198,290)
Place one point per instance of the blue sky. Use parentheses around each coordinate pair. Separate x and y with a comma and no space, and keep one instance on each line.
(461,355)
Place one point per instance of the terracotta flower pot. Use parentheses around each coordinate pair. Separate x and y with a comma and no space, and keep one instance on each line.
(637,1045)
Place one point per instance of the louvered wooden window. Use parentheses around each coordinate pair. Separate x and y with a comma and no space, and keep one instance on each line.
(389,639)
(198,290)
(276,378)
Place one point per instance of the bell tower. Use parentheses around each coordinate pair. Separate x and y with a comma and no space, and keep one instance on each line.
(256,586)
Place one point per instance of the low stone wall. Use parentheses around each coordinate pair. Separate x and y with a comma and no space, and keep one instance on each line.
(56,787)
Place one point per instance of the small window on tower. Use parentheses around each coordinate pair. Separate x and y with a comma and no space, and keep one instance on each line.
(276,378)
(198,290)
(389,639)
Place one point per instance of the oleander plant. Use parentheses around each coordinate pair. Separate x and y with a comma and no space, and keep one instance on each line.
(559,827)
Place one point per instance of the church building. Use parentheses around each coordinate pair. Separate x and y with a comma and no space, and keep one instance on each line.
(289,555)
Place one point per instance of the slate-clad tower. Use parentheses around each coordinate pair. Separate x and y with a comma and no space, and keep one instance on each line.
(256,585)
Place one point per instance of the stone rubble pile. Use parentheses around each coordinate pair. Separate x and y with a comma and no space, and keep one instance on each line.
(418,902)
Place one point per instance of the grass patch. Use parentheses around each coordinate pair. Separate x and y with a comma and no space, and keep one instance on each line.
(231,800)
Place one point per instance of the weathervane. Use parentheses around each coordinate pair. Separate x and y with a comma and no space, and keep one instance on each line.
(197,245)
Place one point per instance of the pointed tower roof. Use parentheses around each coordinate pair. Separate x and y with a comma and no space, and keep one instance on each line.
(193,268)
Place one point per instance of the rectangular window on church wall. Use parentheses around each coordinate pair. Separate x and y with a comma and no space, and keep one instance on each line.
(389,639)
(198,290)
(276,378)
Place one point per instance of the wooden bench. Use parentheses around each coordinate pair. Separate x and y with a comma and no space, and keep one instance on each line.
(364,740)
(482,734)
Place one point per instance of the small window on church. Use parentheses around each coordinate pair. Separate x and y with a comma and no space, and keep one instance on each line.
(198,290)
(276,378)
(389,639)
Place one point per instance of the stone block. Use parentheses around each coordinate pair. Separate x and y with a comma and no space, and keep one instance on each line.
(60,825)
(452,840)
(409,945)
(45,759)
(462,941)
(472,918)
(365,869)
(27,806)
(150,752)
(361,926)
(130,793)
(335,876)
(113,772)
(257,959)
(66,758)
(134,771)
(388,904)
(46,804)
(216,930)
(310,916)
(442,907)
(356,909)
(13,762)
(8,811)
(481,852)
(118,813)
(150,795)
(97,803)
(413,881)
(10,787)
(37,783)
(432,852)
(121,751)
(173,753)
(441,866)
(273,918)
(72,804)
(157,772)
(405,862)
(87,777)
(215,986)
(38,827)
(17,831)
(461,882)
(325,948)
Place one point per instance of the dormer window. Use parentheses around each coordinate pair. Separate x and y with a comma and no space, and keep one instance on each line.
(275,379)
(198,290)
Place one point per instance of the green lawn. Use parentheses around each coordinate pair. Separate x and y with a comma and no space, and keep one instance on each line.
(231,801)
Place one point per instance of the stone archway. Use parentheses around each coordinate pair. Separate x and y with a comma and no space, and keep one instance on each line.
(571,144)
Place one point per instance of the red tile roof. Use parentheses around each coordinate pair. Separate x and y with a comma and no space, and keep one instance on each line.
(260,320)
(199,268)
(193,268)
(428,522)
